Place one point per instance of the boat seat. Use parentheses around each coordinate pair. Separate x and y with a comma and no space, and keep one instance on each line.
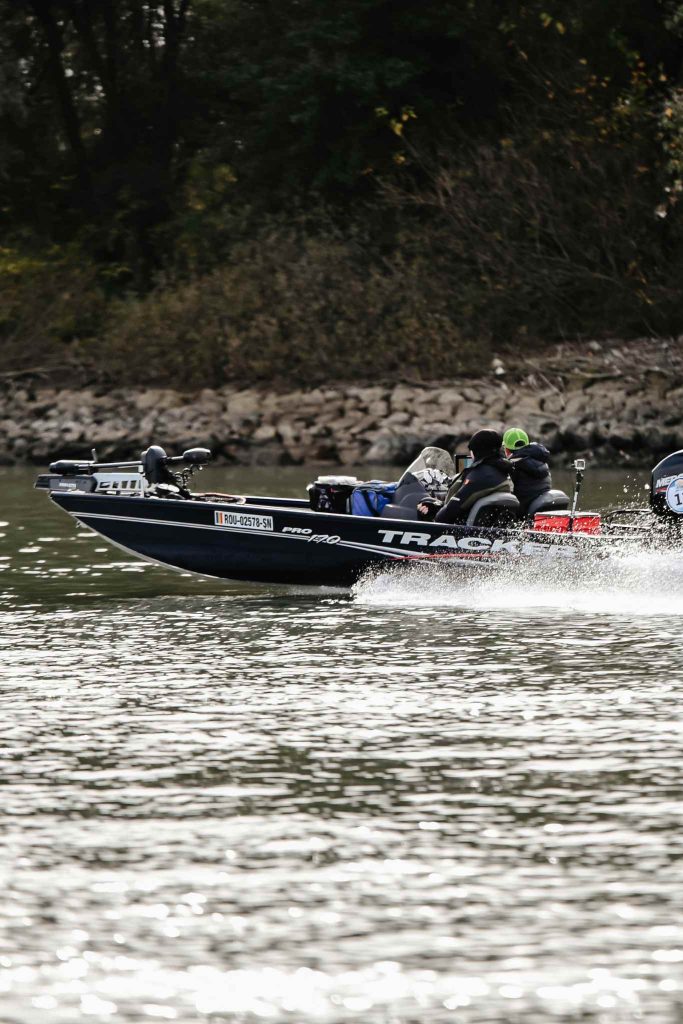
(497,509)
(406,498)
(398,512)
(548,502)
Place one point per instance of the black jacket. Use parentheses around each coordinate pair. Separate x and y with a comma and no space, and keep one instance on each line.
(485,476)
(530,473)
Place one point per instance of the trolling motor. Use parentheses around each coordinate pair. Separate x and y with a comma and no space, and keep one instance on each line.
(166,483)
(126,477)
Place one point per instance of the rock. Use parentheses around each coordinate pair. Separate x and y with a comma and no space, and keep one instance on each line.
(316,396)
(394,449)
(378,408)
(554,442)
(330,413)
(263,455)
(447,440)
(624,437)
(242,424)
(469,411)
(448,396)
(397,418)
(266,432)
(325,451)
(10,429)
(368,395)
(209,404)
(365,423)
(287,434)
(350,455)
(403,399)
(475,394)
(573,440)
(295,455)
(636,415)
(496,408)
(435,429)
(20,448)
(576,405)
(243,403)
(343,425)
(156,398)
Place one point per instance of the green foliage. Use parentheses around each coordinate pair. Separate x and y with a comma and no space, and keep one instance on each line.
(440,175)
(49,303)
(290,308)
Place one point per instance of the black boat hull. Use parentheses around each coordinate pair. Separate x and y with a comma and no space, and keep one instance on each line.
(275,540)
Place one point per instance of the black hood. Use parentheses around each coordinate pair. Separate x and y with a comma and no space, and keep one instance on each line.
(531,451)
(499,462)
(486,443)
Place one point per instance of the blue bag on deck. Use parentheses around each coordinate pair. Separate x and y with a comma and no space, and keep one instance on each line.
(370,498)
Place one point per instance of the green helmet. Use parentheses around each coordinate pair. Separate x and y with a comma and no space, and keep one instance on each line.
(515,437)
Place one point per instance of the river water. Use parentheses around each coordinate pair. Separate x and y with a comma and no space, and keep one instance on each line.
(415,802)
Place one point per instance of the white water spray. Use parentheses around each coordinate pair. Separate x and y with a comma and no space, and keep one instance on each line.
(634,584)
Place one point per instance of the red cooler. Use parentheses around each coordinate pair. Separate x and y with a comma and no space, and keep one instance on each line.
(558,522)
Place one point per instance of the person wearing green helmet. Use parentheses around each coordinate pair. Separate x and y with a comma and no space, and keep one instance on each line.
(530,470)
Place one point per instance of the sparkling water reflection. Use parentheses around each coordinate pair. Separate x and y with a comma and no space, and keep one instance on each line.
(423,801)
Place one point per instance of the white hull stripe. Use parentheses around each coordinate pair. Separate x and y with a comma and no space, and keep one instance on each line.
(354,545)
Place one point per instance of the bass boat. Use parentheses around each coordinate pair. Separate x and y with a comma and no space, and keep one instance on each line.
(146,508)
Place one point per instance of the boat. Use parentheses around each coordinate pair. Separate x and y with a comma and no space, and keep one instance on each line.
(147,508)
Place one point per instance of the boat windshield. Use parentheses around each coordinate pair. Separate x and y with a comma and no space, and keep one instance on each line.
(433,468)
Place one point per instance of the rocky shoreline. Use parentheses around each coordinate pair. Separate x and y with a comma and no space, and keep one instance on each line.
(617,403)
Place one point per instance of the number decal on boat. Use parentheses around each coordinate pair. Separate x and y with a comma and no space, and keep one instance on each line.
(674,495)
(243,520)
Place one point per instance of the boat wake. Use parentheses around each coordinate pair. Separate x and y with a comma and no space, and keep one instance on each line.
(635,584)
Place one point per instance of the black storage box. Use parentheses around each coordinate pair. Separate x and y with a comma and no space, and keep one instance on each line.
(331,493)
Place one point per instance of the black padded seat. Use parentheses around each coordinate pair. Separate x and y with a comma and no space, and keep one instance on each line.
(497,509)
(398,512)
(404,506)
(548,502)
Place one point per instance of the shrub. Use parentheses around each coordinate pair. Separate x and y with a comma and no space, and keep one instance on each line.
(290,308)
(49,305)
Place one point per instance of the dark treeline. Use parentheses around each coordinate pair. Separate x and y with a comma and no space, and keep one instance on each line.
(289,189)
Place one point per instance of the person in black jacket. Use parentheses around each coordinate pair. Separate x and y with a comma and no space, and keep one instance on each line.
(530,470)
(489,473)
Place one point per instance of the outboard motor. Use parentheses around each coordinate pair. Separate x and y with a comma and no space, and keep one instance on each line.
(666,487)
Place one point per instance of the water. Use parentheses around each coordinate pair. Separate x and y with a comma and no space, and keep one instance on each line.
(422,801)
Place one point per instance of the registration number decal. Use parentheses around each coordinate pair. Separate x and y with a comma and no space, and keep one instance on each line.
(243,520)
